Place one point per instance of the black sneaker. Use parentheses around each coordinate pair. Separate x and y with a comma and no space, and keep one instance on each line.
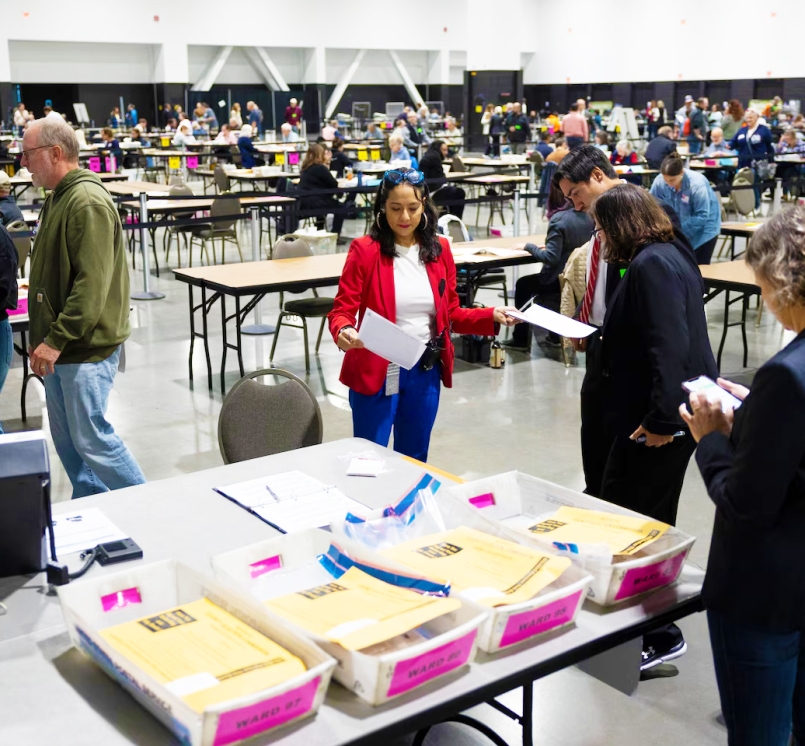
(654,655)
(510,344)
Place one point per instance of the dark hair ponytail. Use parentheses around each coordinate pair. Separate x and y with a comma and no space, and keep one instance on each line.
(672,165)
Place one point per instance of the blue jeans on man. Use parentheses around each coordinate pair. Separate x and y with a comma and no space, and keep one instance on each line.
(761,681)
(6,352)
(95,458)
(694,145)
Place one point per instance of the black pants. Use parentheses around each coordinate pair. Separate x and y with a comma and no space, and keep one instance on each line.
(705,252)
(495,145)
(647,480)
(449,193)
(597,434)
(574,142)
(528,287)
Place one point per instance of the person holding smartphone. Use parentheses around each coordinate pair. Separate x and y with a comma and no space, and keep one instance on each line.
(753,464)
(403,271)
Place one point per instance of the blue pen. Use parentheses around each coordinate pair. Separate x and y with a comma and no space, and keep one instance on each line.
(642,438)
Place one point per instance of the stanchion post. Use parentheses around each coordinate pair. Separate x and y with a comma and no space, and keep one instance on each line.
(258,327)
(777,204)
(516,229)
(147,293)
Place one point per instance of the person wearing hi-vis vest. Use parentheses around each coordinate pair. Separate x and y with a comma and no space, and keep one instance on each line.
(517,128)
(403,271)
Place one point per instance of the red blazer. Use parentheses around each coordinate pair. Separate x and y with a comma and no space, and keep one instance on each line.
(368,282)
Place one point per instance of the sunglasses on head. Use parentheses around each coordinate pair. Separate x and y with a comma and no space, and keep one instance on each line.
(398,177)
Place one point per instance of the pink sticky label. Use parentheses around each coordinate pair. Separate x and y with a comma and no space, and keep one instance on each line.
(709,162)
(237,725)
(111,164)
(483,501)
(121,598)
(415,671)
(261,567)
(95,164)
(192,161)
(642,579)
(22,308)
(536,621)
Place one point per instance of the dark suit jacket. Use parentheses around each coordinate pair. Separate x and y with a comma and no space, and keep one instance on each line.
(657,149)
(654,337)
(756,478)
(567,230)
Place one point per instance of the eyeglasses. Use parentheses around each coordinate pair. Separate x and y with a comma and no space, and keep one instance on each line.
(398,177)
(25,153)
(596,231)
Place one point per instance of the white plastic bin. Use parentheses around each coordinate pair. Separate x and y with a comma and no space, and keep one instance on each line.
(506,498)
(92,605)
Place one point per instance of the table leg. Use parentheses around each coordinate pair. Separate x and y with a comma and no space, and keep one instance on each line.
(744,308)
(238,337)
(527,722)
(204,311)
(225,345)
(726,327)
(192,329)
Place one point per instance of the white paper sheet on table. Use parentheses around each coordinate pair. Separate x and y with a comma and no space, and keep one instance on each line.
(383,338)
(292,501)
(479,253)
(83,529)
(564,326)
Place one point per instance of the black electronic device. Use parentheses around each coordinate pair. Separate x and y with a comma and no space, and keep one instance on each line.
(117,551)
(24,502)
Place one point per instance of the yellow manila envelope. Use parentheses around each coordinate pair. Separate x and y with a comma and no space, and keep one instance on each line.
(357,610)
(363,155)
(622,533)
(485,568)
(174,162)
(279,159)
(203,654)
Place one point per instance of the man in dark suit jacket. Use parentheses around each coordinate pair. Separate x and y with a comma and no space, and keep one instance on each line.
(660,147)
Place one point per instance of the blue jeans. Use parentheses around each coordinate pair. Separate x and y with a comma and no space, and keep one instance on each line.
(6,351)
(695,146)
(93,455)
(411,413)
(761,682)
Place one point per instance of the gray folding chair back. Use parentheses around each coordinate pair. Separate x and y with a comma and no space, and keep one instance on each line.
(176,180)
(221,179)
(222,206)
(743,200)
(260,420)
(290,247)
(22,244)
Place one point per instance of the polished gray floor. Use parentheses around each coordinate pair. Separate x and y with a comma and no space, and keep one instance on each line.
(524,416)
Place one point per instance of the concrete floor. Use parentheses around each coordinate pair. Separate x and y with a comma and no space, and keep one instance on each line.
(524,416)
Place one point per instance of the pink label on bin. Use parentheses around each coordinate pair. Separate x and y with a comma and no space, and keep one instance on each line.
(111,164)
(642,579)
(95,164)
(483,501)
(261,567)
(246,722)
(421,668)
(192,161)
(121,598)
(536,621)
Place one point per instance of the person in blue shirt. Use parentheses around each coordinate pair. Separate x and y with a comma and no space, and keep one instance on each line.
(753,146)
(131,115)
(111,147)
(249,155)
(543,146)
(373,132)
(695,202)
(255,117)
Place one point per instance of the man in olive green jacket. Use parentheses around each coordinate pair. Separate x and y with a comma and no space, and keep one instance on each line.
(78,308)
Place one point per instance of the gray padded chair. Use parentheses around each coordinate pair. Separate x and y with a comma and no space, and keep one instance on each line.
(22,245)
(260,420)
(288,247)
(221,180)
(224,229)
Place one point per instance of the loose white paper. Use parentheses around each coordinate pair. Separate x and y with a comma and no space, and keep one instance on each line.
(83,529)
(293,501)
(564,326)
(390,342)
(365,467)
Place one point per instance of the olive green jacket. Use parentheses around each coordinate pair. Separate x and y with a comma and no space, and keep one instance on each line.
(78,301)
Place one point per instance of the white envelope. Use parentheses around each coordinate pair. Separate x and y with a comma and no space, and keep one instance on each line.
(564,326)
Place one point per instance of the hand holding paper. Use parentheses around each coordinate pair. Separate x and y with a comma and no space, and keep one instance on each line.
(390,342)
(553,322)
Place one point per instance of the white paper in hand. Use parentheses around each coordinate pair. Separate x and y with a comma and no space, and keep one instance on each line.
(564,326)
(388,341)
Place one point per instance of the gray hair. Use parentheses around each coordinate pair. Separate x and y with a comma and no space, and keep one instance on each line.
(777,253)
(54,131)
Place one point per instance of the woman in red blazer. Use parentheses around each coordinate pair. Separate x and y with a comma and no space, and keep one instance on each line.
(404,271)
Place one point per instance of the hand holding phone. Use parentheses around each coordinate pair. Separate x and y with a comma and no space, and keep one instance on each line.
(715,392)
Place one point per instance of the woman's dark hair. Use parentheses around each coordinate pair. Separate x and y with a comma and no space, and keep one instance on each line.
(337,144)
(672,165)
(436,147)
(430,248)
(314,155)
(631,218)
(578,165)
(557,202)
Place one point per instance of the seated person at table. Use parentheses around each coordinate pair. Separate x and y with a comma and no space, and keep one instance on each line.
(131,159)
(315,176)
(789,145)
(398,150)
(623,154)
(226,135)
(171,124)
(453,130)
(339,160)
(111,146)
(288,134)
(249,155)
(9,212)
(440,190)
(184,131)
(544,145)
(373,132)
(567,230)
(560,151)
(718,145)
(602,141)
(660,147)
(137,136)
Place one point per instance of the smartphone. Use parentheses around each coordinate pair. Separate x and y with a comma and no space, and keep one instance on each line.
(714,392)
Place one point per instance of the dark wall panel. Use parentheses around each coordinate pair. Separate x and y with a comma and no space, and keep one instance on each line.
(665,92)
(768,88)
(718,91)
(642,93)
(743,90)
(794,88)
(622,94)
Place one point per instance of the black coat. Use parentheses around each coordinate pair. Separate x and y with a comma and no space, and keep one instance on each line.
(431,166)
(657,149)
(314,178)
(654,338)
(756,478)
(8,274)
(567,230)
(339,161)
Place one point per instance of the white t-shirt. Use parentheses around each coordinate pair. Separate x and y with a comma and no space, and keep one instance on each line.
(415,305)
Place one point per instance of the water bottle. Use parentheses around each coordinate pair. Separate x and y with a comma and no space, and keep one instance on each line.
(495,355)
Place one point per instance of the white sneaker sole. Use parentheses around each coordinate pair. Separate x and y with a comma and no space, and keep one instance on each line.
(670,656)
